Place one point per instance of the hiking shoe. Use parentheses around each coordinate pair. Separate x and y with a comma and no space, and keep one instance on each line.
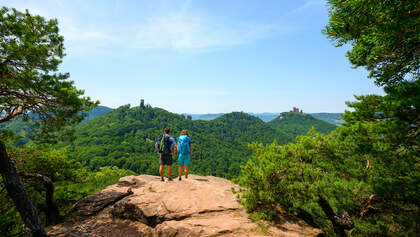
(179,179)
(170,179)
(162,179)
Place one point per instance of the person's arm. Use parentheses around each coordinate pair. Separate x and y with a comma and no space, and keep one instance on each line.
(156,147)
(175,149)
(191,149)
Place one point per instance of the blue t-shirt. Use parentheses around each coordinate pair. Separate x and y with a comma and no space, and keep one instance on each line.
(183,137)
(172,140)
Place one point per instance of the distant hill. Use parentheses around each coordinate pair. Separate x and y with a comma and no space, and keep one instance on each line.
(299,124)
(263,116)
(266,117)
(96,112)
(125,138)
(23,129)
(20,128)
(333,118)
(205,116)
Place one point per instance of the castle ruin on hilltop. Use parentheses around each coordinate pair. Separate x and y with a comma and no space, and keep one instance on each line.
(296,110)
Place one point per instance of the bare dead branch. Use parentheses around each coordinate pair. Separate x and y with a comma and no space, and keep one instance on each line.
(12,115)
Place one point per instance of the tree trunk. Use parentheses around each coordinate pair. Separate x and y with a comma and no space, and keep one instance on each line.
(307,217)
(20,197)
(52,213)
(339,230)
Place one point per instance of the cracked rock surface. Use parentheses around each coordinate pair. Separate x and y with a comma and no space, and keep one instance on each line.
(145,206)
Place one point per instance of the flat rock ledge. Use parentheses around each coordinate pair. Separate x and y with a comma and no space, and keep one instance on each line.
(145,206)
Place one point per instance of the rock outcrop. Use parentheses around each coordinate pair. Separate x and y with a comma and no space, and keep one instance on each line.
(145,206)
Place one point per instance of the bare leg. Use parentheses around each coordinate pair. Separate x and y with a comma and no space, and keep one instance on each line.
(169,171)
(161,171)
(186,171)
(180,170)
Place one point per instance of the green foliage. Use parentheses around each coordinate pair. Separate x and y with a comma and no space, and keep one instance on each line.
(68,192)
(72,182)
(10,221)
(369,167)
(46,161)
(34,94)
(354,168)
(396,114)
(125,138)
(297,124)
(23,128)
(384,36)
(31,50)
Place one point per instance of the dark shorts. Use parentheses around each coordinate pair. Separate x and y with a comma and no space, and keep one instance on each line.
(165,159)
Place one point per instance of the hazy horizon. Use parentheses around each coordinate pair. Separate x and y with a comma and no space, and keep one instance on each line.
(268,112)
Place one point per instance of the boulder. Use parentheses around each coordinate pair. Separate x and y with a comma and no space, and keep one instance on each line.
(145,206)
(95,203)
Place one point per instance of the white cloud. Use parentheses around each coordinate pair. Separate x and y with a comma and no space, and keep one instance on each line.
(177,29)
(307,5)
(183,32)
(71,32)
(313,3)
(80,36)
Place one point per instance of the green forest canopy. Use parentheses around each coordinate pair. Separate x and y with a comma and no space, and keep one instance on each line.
(367,169)
(31,50)
(297,124)
(365,175)
(125,138)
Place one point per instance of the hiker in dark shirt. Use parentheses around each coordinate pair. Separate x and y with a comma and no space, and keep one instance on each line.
(165,146)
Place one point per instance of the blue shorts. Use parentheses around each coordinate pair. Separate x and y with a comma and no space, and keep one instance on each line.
(184,159)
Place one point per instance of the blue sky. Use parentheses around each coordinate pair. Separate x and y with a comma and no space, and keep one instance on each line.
(204,56)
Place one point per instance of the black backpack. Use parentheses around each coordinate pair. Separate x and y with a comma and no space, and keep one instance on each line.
(164,144)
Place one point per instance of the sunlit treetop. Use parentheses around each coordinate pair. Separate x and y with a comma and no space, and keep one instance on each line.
(31,50)
(384,35)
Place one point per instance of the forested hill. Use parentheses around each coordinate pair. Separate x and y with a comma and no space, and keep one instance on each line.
(125,138)
(205,116)
(299,124)
(24,129)
(96,112)
(333,118)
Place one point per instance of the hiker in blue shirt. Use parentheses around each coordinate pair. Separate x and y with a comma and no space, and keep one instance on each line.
(184,150)
(166,147)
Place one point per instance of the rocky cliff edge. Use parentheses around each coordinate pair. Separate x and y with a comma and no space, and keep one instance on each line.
(145,206)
